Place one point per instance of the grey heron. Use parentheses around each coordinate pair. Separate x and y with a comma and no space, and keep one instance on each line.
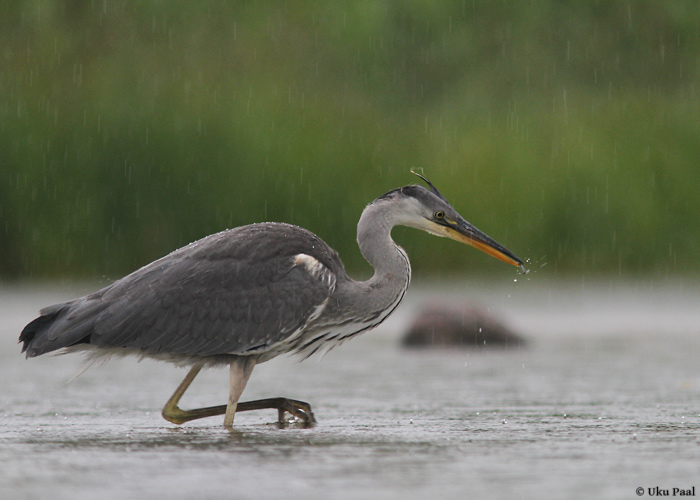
(245,295)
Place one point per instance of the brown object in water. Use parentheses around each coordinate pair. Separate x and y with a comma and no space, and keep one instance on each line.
(465,326)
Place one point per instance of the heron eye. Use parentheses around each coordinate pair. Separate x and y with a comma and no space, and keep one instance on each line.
(439,214)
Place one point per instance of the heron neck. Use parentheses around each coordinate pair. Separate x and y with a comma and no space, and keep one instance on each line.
(365,304)
(391,266)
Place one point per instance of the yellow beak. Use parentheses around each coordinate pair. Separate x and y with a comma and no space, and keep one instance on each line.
(463,231)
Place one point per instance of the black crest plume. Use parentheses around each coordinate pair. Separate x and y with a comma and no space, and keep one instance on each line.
(430,185)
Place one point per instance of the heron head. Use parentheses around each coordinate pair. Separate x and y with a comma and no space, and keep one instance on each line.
(427,209)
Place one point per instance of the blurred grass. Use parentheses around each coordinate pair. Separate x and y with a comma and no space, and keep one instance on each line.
(568,131)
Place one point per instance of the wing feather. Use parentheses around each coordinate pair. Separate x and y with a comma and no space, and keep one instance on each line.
(230,293)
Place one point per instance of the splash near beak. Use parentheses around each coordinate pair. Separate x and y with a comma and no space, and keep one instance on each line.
(464,232)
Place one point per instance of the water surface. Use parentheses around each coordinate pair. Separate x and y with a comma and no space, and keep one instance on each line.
(604,400)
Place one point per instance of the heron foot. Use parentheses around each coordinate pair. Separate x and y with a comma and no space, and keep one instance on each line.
(298,409)
(173,413)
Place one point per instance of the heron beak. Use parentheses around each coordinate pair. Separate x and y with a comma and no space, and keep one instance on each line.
(463,231)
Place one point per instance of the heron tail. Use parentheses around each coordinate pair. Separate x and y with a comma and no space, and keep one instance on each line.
(58,326)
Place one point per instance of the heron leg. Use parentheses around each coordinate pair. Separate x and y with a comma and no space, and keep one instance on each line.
(172,413)
(240,370)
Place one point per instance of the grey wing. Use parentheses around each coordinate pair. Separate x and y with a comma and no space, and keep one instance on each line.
(208,307)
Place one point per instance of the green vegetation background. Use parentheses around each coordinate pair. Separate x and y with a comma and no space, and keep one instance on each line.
(568,131)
